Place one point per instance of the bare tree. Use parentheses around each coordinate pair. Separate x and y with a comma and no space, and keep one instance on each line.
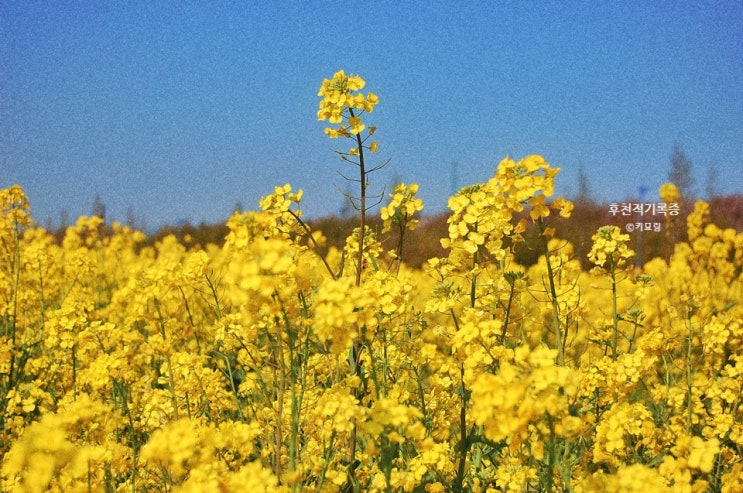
(64,220)
(584,191)
(99,208)
(711,185)
(134,222)
(680,172)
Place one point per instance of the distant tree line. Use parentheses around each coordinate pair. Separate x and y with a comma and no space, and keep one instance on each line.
(424,243)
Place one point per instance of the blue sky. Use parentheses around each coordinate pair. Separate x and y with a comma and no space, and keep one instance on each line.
(179,110)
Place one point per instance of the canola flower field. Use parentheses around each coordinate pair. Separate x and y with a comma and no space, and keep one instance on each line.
(263,365)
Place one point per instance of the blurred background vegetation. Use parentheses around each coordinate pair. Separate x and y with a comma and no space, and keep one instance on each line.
(423,243)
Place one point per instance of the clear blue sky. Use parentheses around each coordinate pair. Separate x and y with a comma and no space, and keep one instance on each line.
(179,110)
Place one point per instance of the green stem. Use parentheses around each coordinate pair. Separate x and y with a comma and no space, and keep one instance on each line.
(16,266)
(463,446)
(550,454)
(74,372)
(359,269)
(308,232)
(553,295)
(171,378)
(280,406)
(458,484)
(615,314)
(362,204)
(689,375)
(215,295)
(41,294)
(508,313)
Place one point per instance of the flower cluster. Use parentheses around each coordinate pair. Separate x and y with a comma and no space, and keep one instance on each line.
(402,207)
(340,97)
(610,247)
(669,193)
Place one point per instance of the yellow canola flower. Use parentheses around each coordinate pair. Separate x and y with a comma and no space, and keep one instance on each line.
(564,206)
(702,453)
(338,93)
(526,389)
(669,194)
(355,83)
(251,477)
(342,105)
(633,478)
(620,423)
(402,207)
(15,207)
(370,102)
(538,208)
(338,411)
(356,126)
(337,311)
(697,220)
(609,245)
(389,412)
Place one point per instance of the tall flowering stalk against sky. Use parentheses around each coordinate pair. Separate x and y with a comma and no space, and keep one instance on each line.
(342,105)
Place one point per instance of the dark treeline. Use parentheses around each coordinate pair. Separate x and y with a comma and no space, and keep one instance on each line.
(423,243)
(586,218)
